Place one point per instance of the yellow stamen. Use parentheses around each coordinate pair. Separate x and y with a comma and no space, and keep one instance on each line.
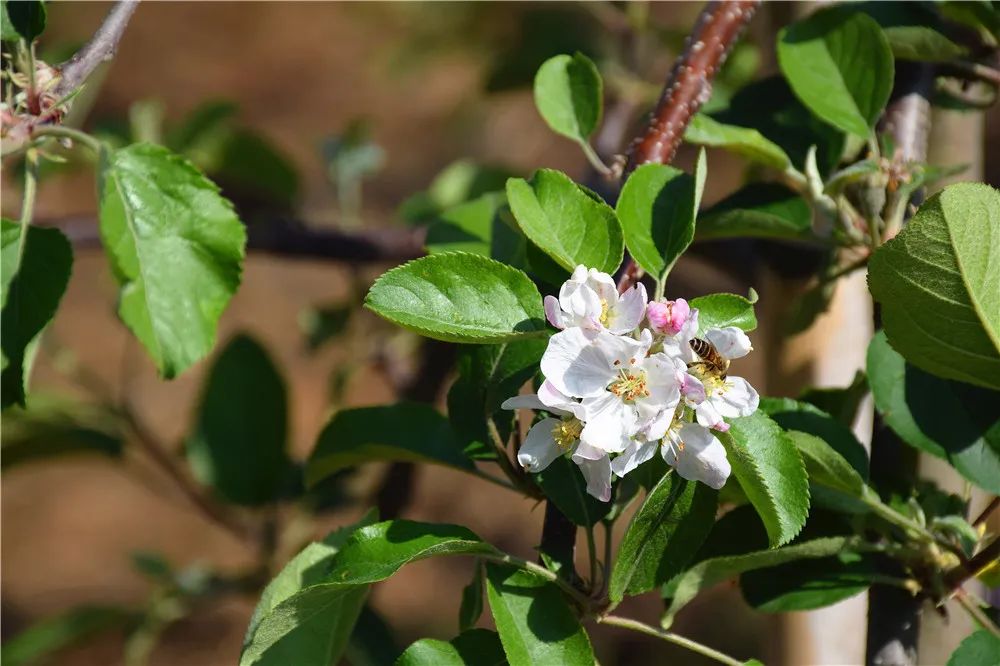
(604,311)
(630,386)
(567,432)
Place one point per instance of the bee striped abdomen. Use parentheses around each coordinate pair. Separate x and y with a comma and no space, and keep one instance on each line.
(710,356)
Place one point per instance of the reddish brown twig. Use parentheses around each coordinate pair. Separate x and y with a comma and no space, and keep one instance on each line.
(689,86)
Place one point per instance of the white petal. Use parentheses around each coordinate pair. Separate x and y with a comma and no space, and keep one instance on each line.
(691,388)
(636,454)
(598,476)
(629,311)
(539,448)
(608,432)
(738,398)
(523,402)
(553,312)
(584,451)
(579,363)
(730,341)
(710,417)
(703,458)
(556,401)
(578,299)
(603,285)
(656,428)
(662,382)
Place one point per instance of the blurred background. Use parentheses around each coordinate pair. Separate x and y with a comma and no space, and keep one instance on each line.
(350,119)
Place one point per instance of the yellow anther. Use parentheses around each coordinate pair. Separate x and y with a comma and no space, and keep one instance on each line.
(604,311)
(630,386)
(567,432)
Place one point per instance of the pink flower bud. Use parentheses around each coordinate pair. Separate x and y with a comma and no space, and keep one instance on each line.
(668,317)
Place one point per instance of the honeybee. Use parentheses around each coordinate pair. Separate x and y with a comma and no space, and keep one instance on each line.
(712,362)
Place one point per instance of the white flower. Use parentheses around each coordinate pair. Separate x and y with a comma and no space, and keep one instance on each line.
(696,454)
(712,396)
(622,390)
(590,299)
(552,437)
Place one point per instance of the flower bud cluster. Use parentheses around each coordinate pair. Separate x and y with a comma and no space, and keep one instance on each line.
(626,378)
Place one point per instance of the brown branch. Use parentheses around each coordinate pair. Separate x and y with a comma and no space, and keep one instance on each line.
(291,238)
(688,87)
(955,578)
(985,513)
(690,83)
(156,452)
(101,48)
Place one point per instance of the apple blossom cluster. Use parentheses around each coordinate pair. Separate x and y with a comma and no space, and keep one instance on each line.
(623,380)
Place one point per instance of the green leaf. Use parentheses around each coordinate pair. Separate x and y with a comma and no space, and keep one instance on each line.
(770,470)
(35,272)
(401,432)
(568,223)
(459,182)
(255,168)
(535,621)
(979,649)
(721,310)
(938,282)
(310,627)
(468,227)
(472,600)
(376,552)
(52,429)
(476,647)
(372,642)
(797,415)
(565,487)
(760,210)
(770,107)
(569,95)
(921,44)
(840,65)
(657,208)
(23,18)
(56,633)
(275,634)
(807,584)
(709,572)
(200,134)
(239,443)
(459,297)
(706,131)
(825,466)
(175,246)
(663,536)
(951,420)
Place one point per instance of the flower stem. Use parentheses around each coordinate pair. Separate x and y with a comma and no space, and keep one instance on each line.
(595,160)
(541,572)
(592,554)
(61,131)
(676,639)
(976,613)
(28,201)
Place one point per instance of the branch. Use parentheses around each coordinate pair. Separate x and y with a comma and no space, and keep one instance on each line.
(101,48)
(290,238)
(690,84)
(976,565)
